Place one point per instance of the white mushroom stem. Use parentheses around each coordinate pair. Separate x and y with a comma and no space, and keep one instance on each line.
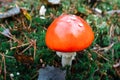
(67,57)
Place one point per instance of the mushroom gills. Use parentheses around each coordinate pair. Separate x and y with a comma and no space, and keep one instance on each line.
(67,57)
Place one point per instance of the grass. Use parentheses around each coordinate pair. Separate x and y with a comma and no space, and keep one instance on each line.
(94,63)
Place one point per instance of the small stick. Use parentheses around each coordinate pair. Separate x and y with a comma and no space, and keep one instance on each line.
(10,36)
(3,59)
(107,48)
(20,46)
(113,11)
(103,57)
(116,65)
(4,67)
(25,49)
(34,44)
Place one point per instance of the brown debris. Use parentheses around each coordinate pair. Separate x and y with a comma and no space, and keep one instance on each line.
(25,59)
(116,66)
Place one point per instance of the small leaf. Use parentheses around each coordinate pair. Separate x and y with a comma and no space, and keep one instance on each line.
(26,14)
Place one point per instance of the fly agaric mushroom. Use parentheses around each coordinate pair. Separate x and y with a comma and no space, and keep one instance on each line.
(68,34)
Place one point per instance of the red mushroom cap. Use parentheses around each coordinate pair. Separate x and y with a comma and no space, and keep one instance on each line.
(69,33)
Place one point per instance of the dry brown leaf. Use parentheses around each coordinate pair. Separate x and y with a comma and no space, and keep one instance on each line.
(25,59)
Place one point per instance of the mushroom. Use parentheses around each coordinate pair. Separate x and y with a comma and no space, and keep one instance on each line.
(68,34)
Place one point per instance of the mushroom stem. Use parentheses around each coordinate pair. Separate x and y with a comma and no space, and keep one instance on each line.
(67,57)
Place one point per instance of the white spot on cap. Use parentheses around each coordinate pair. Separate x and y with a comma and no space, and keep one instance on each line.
(73,17)
(75,30)
(80,24)
(68,21)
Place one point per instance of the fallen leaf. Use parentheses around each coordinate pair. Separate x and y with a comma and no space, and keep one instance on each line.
(26,14)
(51,73)
(10,13)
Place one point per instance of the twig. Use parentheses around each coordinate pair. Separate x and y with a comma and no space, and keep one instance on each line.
(16,40)
(106,48)
(30,24)
(98,11)
(10,41)
(6,22)
(2,26)
(20,46)
(111,34)
(25,49)
(103,57)
(11,78)
(33,42)
(4,67)
(112,54)
(116,65)
(7,33)
(113,11)
(6,55)
(97,48)
(3,60)
(35,75)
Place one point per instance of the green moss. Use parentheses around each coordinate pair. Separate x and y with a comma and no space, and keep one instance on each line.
(88,65)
